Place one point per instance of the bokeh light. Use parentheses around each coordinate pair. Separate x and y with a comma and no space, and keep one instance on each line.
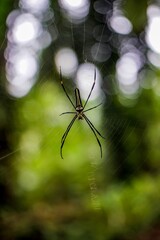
(120,24)
(85,79)
(76,10)
(26,39)
(26,185)
(153,30)
(20,87)
(154,58)
(26,28)
(66,59)
(37,6)
(127,69)
(22,64)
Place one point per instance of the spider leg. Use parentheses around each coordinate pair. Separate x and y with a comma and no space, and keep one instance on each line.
(68,128)
(65,134)
(92,107)
(66,113)
(91,88)
(93,130)
(65,89)
(85,117)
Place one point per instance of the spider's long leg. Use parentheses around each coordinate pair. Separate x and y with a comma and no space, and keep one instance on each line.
(93,126)
(92,107)
(66,133)
(67,113)
(89,124)
(65,89)
(91,88)
(68,128)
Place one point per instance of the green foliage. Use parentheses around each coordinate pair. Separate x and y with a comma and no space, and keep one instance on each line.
(81,196)
(136,12)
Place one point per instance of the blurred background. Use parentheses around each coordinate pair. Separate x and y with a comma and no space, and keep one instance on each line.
(83,196)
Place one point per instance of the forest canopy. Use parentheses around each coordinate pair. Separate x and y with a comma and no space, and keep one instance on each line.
(48,49)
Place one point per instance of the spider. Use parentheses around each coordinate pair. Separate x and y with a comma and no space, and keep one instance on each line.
(79,113)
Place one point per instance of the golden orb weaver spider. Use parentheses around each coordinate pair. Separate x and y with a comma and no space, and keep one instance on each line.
(79,113)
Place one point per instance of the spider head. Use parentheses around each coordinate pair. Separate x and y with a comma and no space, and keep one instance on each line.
(79,109)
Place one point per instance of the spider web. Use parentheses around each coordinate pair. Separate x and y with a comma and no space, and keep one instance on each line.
(37,160)
(115,123)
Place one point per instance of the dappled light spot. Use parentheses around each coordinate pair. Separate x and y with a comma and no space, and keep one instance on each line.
(153,34)
(129,91)
(37,6)
(23,64)
(85,79)
(26,39)
(76,10)
(120,24)
(154,58)
(153,10)
(20,88)
(66,59)
(21,72)
(28,180)
(153,30)
(26,28)
(127,69)
(30,143)
(116,197)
